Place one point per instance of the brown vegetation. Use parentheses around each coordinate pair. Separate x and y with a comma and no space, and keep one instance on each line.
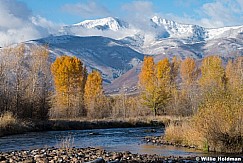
(217,125)
(25,82)
(211,94)
(9,124)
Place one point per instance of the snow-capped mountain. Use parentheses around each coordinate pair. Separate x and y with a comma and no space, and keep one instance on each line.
(109,23)
(177,30)
(106,55)
(168,29)
(224,32)
(105,24)
(116,48)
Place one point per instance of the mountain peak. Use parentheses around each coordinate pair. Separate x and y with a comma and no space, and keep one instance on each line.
(159,20)
(179,30)
(103,24)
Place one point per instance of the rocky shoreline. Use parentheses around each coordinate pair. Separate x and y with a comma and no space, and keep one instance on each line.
(82,155)
(159,140)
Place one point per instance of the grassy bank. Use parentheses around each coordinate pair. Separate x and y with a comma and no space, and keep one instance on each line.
(184,134)
(188,134)
(10,125)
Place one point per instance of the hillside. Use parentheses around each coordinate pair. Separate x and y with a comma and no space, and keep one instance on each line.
(116,48)
(108,56)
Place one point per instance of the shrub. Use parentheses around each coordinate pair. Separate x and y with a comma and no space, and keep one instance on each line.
(220,121)
(7,119)
(184,134)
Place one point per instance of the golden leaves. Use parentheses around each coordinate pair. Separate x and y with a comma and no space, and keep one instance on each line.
(93,87)
(188,71)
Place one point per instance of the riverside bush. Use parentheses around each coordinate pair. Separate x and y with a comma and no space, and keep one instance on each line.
(218,125)
(184,134)
(7,119)
(220,121)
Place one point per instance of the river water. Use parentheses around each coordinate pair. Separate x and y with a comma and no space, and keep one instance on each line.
(115,139)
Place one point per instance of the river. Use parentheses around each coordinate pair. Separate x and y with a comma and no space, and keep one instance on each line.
(115,139)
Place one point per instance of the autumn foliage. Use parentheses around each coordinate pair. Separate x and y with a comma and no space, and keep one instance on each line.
(154,81)
(93,87)
(210,91)
(215,97)
(69,79)
(188,71)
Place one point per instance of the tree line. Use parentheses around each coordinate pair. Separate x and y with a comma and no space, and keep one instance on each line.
(25,82)
(210,93)
(32,87)
(180,87)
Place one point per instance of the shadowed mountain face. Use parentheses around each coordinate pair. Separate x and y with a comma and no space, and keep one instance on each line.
(106,55)
(116,48)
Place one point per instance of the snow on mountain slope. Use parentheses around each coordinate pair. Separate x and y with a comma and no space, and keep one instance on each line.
(177,30)
(224,32)
(195,33)
(115,47)
(108,23)
(157,29)
(106,27)
(108,56)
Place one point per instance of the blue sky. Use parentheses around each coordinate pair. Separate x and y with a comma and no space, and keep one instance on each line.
(65,11)
(208,13)
(22,20)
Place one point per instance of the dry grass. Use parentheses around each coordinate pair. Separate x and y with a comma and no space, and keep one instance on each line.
(9,125)
(146,119)
(7,119)
(185,134)
(66,142)
(174,133)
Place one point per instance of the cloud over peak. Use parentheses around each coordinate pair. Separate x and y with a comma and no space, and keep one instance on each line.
(18,23)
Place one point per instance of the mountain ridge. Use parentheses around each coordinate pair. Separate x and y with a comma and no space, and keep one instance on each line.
(170,28)
(116,48)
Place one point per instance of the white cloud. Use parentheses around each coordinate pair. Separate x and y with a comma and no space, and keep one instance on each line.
(44,24)
(109,33)
(18,24)
(218,13)
(138,14)
(86,10)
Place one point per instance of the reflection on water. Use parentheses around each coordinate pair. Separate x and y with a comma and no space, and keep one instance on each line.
(118,139)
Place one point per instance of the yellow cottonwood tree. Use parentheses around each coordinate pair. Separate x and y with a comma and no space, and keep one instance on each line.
(212,72)
(147,75)
(234,76)
(189,92)
(154,81)
(69,80)
(163,71)
(188,71)
(164,81)
(93,86)
(93,94)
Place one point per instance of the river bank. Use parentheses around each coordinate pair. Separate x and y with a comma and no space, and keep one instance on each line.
(19,127)
(159,140)
(94,155)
